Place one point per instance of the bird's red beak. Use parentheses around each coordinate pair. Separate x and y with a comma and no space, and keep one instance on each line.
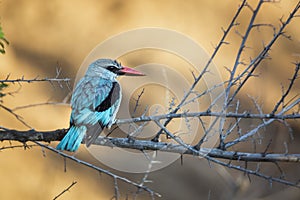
(129,72)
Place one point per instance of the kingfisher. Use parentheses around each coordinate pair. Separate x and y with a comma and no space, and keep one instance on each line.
(95,102)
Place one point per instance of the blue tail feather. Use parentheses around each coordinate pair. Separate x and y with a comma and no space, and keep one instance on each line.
(72,139)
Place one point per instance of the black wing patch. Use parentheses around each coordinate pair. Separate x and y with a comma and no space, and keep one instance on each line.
(112,97)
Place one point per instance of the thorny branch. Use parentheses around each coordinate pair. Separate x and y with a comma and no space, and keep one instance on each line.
(205,69)
(180,148)
(261,56)
(114,176)
(36,79)
(284,110)
(57,80)
(281,101)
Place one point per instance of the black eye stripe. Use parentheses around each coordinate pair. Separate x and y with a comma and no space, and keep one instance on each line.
(113,68)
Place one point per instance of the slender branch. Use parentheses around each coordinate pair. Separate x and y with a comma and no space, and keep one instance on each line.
(36,79)
(114,176)
(39,104)
(256,61)
(65,190)
(116,187)
(209,114)
(242,46)
(18,117)
(257,128)
(288,90)
(225,33)
(24,146)
(137,101)
(256,173)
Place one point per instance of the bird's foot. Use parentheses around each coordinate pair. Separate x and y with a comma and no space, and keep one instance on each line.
(130,139)
(112,122)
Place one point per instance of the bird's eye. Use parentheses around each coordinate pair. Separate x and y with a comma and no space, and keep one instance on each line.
(111,68)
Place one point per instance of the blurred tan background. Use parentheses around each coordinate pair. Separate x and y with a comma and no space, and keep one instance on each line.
(46,35)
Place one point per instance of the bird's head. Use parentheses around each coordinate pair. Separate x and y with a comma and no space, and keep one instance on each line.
(110,69)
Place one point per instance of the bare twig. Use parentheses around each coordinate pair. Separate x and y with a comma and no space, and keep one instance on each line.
(65,190)
(288,90)
(39,104)
(36,79)
(18,117)
(137,101)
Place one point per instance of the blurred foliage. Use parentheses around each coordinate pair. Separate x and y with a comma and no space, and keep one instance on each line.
(2,50)
(2,41)
(2,86)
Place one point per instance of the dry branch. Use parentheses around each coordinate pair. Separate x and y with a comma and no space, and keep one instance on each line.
(57,135)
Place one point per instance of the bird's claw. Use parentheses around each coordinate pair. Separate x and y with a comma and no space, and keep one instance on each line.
(111,123)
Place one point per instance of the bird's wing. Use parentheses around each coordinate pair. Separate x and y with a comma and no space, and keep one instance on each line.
(88,94)
(112,97)
(105,108)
